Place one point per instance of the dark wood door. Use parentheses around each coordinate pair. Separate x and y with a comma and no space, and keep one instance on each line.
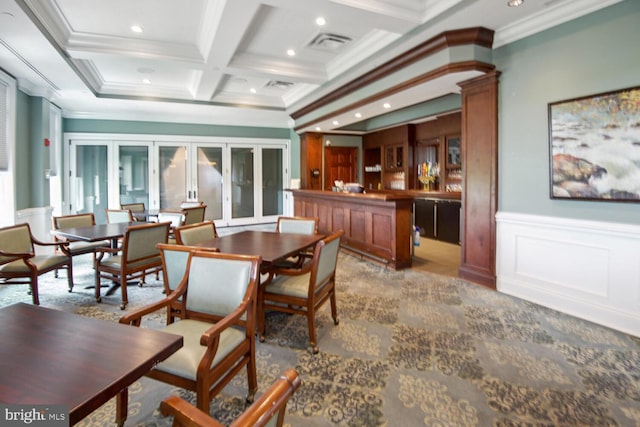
(340,163)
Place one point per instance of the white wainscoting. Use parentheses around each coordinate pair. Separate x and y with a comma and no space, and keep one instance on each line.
(588,269)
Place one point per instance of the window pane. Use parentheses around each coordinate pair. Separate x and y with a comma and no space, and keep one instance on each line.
(210,180)
(242,183)
(91,181)
(272,193)
(173,176)
(134,175)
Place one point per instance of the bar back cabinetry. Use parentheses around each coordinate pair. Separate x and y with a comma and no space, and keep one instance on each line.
(438,219)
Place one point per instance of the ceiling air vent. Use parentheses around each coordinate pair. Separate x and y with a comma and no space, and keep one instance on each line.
(330,42)
(277,84)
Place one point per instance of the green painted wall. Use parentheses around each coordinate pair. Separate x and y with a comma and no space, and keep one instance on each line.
(590,55)
(161,128)
(23,157)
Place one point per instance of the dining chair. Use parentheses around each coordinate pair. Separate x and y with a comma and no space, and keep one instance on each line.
(194,214)
(218,298)
(119,215)
(77,247)
(268,410)
(138,257)
(304,290)
(298,225)
(174,266)
(19,263)
(191,234)
(137,209)
(176,218)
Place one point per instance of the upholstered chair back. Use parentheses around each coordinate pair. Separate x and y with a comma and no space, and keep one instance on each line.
(70,221)
(134,207)
(299,225)
(328,259)
(141,241)
(175,218)
(217,286)
(194,214)
(118,215)
(15,239)
(193,233)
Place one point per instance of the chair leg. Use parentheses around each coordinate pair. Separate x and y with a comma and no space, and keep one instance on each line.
(252,377)
(261,315)
(123,288)
(34,289)
(96,272)
(69,276)
(313,344)
(334,309)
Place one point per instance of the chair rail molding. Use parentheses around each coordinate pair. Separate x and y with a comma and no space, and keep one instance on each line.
(588,269)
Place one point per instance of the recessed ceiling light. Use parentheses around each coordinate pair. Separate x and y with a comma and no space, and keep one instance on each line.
(514,3)
(386,105)
(320,21)
(253,90)
(318,129)
(358,115)
(291,52)
(336,123)
(136,28)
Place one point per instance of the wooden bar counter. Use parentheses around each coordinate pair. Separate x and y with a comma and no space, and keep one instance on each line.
(376,225)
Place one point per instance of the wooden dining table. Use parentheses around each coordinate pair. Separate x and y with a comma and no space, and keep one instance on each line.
(96,233)
(53,357)
(271,246)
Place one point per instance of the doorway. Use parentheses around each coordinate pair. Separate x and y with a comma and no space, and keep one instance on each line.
(340,164)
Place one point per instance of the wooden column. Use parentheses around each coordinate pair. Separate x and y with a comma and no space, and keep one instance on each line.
(310,159)
(480,179)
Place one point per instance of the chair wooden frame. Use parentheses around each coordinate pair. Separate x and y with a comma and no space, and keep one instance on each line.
(272,403)
(186,234)
(19,263)
(139,257)
(308,289)
(210,378)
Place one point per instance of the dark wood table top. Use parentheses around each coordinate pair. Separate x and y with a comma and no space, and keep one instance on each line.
(53,357)
(272,246)
(96,232)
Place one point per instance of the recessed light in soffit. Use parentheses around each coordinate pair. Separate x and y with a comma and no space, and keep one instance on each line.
(328,41)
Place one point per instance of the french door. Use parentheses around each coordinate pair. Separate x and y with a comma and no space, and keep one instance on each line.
(241,182)
(104,174)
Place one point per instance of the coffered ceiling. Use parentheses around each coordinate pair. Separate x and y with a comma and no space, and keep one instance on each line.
(236,62)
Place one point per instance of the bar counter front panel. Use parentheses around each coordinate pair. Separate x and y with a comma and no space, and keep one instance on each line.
(376,225)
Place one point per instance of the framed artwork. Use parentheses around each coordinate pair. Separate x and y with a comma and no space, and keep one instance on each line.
(453,151)
(595,147)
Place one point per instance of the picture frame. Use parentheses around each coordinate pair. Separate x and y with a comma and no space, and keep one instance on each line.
(452,146)
(594,147)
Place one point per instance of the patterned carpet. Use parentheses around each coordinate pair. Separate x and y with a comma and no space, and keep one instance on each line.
(412,349)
